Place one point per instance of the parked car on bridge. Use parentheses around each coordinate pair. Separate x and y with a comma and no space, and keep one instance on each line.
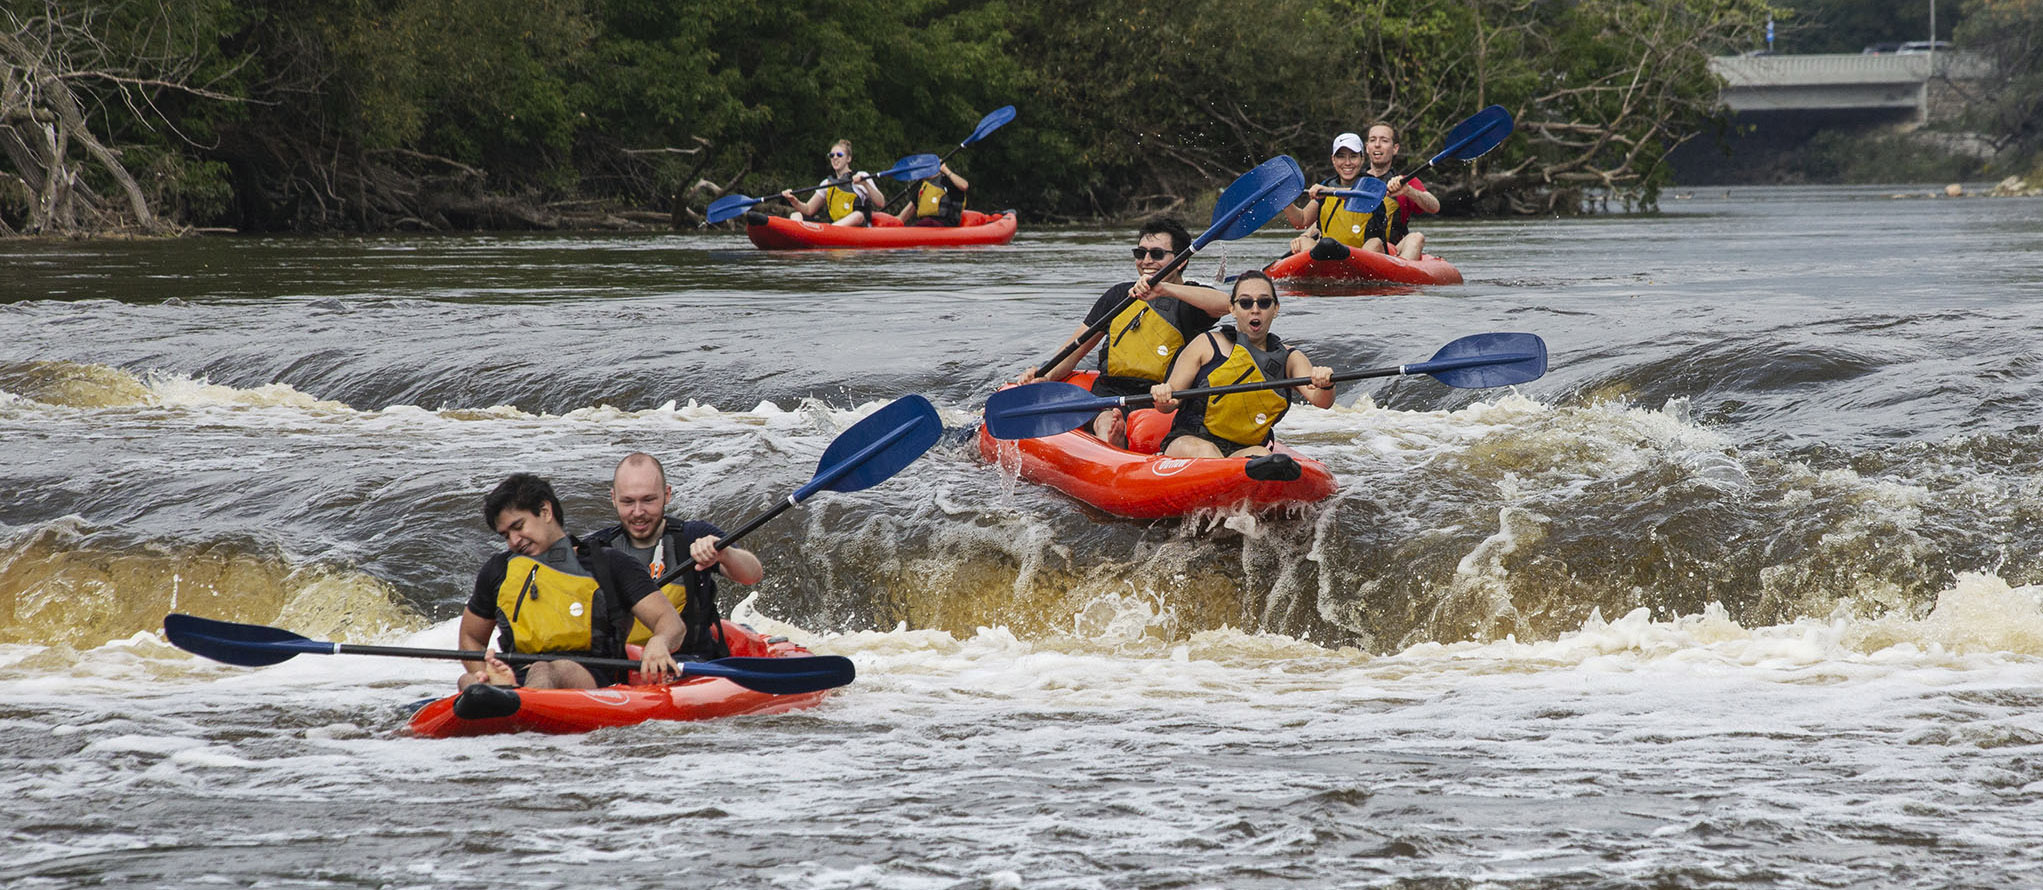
(1881,49)
(1923,46)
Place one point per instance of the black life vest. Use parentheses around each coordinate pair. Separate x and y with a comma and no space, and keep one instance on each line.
(693,594)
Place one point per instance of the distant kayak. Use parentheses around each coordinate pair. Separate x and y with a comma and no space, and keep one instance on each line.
(1361,265)
(583,710)
(1141,485)
(781,233)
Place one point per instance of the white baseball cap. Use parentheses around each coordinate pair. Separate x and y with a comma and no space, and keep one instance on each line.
(1348,141)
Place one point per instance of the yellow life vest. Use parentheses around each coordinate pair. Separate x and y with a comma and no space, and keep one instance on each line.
(840,201)
(1245,418)
(1141,343)
(676,593)
(1336,221)
(543,609)
(929,200)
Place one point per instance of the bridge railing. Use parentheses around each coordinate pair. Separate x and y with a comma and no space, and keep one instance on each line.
(1846,69)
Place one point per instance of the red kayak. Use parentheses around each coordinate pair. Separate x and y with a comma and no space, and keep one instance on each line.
(1142,484)
(582,710)
(781,233)
(1360,265)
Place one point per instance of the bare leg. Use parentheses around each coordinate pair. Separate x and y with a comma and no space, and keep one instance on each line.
(559,675)
(1191,446)
(1374,245)
(1413,247)
(854,218)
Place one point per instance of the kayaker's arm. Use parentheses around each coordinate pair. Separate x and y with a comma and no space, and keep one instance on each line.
(655,612)
(1397,188)
(474,637)
(1321,391)
(1210,301)
(738,564)
(1183,370)
(1300,217)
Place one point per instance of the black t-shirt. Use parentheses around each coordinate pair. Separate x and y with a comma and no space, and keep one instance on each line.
(631,580)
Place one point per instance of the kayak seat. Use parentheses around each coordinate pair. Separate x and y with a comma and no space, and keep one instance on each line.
(1328,251)
(1273,468)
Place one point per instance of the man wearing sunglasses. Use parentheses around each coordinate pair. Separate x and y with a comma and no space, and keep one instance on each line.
(851,206)
(1140,342)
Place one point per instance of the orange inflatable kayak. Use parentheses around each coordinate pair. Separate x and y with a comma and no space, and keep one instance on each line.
(582,710)
(781,233)
(1361,265)
(1142,484)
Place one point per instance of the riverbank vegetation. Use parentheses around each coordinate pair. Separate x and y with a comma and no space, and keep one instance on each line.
(362,115)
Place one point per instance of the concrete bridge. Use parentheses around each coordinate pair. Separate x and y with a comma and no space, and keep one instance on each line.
(1841,82)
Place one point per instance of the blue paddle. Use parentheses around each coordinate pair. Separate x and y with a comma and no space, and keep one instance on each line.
(1472,362)
(993,120)
(908,169)
(1365,197)
(1243,207)
(1472,138)
(867,454)
(254,645)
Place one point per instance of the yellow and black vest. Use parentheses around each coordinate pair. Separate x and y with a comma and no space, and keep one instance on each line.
(937,202)
(541,608)
(1336,221)
(1141,343)
(1244,418)
(840,200)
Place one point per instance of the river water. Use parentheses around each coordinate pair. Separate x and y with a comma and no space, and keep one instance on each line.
(1747,590)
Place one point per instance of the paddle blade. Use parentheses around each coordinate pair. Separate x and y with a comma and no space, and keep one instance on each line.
(1253,199)
(1474,137)
(249,645)
(994,121)
(1044,408)
(876,448)
(1483,360)
(778,676)
(913,167)
(1368,195)
(729,207)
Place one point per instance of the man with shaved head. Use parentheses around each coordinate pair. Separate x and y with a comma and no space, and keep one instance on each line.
(640,492)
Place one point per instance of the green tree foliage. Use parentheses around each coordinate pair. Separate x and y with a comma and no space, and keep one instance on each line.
(2011,33)
(452,113)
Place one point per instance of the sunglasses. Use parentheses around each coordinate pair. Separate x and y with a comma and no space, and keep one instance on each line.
(1154,253)
(839,154)
(1258,303)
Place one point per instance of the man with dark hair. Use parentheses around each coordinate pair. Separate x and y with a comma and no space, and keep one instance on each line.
(1136,350)
(552,594)
(657,544)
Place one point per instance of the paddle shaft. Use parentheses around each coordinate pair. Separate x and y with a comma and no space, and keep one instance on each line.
(1428,367)
(821,481)
(316,647)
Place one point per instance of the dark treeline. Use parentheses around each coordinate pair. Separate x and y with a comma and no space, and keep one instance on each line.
(316,115)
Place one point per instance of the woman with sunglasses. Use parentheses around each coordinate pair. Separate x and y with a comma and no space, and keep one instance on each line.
(851,206)
(1238,424)
(1142,339)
